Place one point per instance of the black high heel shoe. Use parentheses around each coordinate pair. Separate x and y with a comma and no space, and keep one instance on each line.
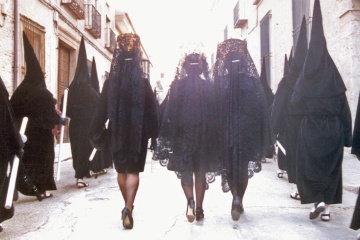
(199,213)
(236,208)
(190,212)
(126,216)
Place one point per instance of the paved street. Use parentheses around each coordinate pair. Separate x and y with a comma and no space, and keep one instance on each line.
(95,212)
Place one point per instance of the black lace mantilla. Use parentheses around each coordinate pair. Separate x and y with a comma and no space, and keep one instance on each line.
(187,138)
(242,113)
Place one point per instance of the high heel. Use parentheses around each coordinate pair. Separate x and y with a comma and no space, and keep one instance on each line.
(126,216)
(190,213)
(236,208)
(199,213)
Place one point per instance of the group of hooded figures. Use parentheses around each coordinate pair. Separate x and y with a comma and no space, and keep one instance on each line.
(224,126)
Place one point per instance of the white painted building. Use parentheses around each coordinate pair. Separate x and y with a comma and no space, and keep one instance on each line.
(54,28)
(270,28)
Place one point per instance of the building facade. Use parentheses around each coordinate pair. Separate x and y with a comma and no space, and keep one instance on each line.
(55,28)
(271,27)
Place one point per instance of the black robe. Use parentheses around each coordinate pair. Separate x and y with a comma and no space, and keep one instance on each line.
(33,100)
(10,144)
(324,131)
(326,125)
(102,158)
(81,105)
(269,98)
(39,152)
(355,149)
(286,116)
(81,113)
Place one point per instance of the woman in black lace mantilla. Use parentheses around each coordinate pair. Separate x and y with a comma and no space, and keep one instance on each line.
(243,118)
(128,101)
(186,142)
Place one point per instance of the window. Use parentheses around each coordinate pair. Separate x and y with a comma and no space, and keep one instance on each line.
(265,44)
(36,35)
(300,8)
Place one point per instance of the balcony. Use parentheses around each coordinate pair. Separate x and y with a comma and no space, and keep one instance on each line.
(240,20)
(76,7)
(110,39)
(92,20)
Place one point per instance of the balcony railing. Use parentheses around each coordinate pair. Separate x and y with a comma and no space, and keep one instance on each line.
(110,39)
(92,20)
(75,6)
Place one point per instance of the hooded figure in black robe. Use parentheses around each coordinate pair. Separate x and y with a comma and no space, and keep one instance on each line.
(81,104)
(187,136)
(244,123)
(10,144)
(281,158)
(128,101)
(325,128)
(102,158)
(355,149)
(286,116)
(269,98)
(33,100)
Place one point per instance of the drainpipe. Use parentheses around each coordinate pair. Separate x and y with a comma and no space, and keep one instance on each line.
(16,40)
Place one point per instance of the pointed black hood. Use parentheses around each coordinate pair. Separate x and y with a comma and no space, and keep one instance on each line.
(33,82)
(94,77)
(268,92)
(34,75)
(297,61)
(286,65)
(319,77)
(81,93)
(81,77)
(3,90)
(291,56)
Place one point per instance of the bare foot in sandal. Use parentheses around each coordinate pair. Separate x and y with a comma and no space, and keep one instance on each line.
(325,216)
(81,184)
(295,195)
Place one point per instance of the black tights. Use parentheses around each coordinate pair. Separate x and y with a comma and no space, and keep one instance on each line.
(239,189)
(128,183)
(187,184)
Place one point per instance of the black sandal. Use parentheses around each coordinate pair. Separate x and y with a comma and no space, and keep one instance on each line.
(316,210)
(295,195)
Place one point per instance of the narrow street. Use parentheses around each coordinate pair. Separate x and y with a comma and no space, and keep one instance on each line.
(160,206)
